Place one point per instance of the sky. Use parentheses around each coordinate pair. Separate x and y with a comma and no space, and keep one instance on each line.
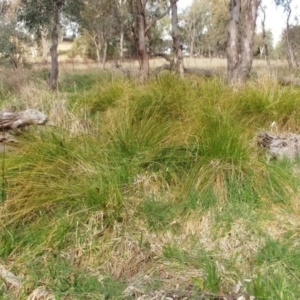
(275,16)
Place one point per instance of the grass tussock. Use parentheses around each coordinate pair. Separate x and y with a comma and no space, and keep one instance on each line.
(150,190)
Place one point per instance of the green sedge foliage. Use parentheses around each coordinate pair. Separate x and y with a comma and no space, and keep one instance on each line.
(154,155)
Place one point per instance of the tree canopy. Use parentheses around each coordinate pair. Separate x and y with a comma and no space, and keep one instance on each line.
(137,29)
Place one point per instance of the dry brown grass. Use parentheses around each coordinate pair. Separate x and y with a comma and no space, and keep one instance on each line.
(219,65)
(129,249)
(195,62)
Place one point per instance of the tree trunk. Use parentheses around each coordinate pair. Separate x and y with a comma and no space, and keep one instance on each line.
(289,52)
(178,59)
(248,39)
(104,55)
(121,50)
(143,57)
(97,45)
(295,57)
(240,59)
(192,43)
(264,35)
(261,51)
(98,57)
(138,8)
(53,50)
(140,29)
(233,41)
(121,4)
(192,38)
(45,48)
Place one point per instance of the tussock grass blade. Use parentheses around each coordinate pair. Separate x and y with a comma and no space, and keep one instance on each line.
(139,189)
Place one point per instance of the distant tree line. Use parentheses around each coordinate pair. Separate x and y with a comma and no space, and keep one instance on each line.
(119,29)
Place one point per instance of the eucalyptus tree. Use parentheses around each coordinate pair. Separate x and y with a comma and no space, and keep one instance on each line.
(215,38)
(286,4)
(195,22)
(204,24)
(159,36)
(97,20)
(267,38)
(14,41)
(37,14)
(294,43)
(177,47)
(263,43)
(144,14)
(122,10)
(240,43)
(14,45)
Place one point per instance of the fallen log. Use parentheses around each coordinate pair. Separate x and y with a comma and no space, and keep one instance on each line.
(10,119)
(164,67)
(192,71)
(286,145)
(171,66)
(199,72)
(288,81)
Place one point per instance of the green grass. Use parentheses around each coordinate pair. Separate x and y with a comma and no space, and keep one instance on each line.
(198,259)
(139,189)
(280,278)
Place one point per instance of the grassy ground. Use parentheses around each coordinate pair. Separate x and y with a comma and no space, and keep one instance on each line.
(153,191)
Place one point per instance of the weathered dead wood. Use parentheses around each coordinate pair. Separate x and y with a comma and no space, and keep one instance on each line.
(15,283)
(286,145)
(13,121)
(199,72)
(41,293)
(172,64)
(164,67)
(126,72)
(159,54)
(10,119)
(187,292)
(11,280)
(192,71)
(8,138)
(5,140)
(286,81)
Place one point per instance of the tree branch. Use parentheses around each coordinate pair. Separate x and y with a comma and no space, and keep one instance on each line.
(165,56)
(158,18)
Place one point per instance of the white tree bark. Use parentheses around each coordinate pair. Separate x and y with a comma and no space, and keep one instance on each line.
(45,47)
(121,5)
(265,47)
(53,50)
(178,59)
(239,58)
(104,55)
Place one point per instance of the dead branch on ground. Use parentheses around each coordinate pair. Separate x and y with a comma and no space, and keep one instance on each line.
(15,283)
(285,145)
